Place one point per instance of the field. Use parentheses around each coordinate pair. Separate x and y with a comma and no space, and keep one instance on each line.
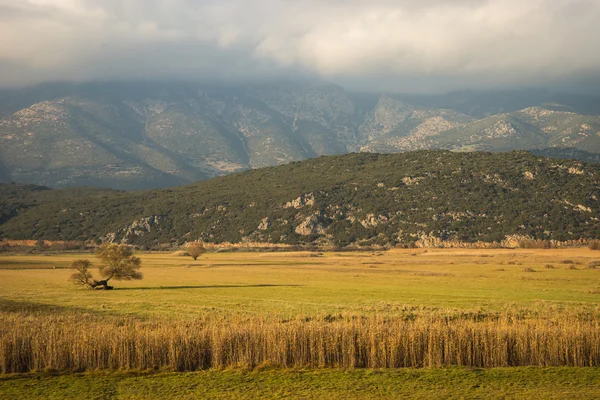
(475,323)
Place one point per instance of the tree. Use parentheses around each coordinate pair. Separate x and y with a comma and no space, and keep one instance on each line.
(196,249)
(118,262)
(83,276)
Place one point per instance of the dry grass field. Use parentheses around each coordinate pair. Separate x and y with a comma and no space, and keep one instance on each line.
(254,312)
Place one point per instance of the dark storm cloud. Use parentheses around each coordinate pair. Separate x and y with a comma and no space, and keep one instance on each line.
(377,44)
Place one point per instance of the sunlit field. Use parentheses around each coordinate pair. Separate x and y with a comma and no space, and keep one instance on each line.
(308,284)
(257,315)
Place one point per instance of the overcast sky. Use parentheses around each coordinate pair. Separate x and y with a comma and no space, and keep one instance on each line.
(399,45)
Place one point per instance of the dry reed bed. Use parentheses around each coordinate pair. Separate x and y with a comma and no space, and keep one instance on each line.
(75,343)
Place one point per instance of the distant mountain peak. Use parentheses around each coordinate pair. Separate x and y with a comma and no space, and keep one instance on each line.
(143,134)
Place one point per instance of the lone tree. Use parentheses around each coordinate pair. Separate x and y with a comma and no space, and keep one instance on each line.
(118,262)
(196,249)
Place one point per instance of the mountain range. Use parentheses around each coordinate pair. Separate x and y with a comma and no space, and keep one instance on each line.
(135,135)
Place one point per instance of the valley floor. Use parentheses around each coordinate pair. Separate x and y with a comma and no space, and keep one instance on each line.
(535,310)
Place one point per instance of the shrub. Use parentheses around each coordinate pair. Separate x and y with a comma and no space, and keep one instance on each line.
(195,250)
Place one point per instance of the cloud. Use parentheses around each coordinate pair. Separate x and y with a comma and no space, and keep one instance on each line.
(401,44)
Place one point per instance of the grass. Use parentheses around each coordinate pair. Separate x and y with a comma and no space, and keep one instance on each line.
(77,343)
(434,285)
(514,383)
(287,286)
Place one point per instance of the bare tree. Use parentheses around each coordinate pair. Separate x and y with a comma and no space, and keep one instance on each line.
(196,249)
(118,262)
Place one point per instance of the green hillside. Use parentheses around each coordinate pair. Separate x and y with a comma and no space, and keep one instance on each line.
(337,200)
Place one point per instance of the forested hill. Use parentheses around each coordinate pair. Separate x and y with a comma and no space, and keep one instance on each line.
(338,200)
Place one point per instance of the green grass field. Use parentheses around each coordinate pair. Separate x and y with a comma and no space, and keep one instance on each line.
(458,383)
(291,284)
(282,286)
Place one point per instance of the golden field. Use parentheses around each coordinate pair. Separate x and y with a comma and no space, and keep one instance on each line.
(401,308)
(395,324)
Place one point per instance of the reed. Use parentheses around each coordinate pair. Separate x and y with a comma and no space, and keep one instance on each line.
(81,343)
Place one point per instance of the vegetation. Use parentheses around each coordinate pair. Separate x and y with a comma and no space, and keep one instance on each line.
(260,312)
(428,197)
(118,262)
(78,344)
(83,277)
(195,250)
(266,383)
(307,283)
(348,310)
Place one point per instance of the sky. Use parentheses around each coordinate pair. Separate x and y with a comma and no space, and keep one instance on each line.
(366,45)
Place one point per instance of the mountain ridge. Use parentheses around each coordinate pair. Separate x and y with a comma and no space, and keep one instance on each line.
(134,135)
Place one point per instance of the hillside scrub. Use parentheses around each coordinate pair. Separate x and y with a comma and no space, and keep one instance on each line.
(424,199)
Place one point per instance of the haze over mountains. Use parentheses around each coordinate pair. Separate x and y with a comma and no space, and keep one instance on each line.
(134,135)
